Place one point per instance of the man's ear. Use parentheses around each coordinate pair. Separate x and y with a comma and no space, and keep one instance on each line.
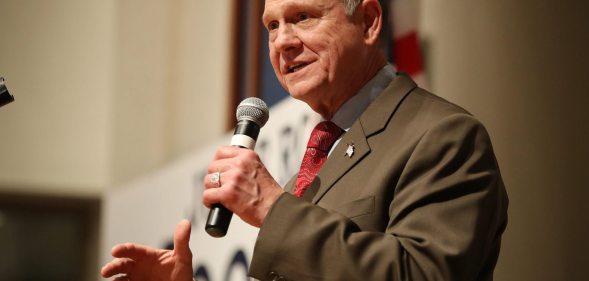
(372,13)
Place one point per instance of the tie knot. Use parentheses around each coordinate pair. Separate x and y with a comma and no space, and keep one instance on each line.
(324,135)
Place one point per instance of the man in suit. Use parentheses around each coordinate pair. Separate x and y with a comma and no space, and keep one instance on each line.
(408,186)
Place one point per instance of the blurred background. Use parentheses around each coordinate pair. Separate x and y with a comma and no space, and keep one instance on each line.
(107,91)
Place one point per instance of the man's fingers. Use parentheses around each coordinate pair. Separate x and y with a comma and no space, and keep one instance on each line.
(132,251)
(212,196)
(219,165)
(226,151)
(117,266)
(208,181)
(181,241)
(225,158)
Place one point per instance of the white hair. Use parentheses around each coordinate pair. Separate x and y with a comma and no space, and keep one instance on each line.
(350,6)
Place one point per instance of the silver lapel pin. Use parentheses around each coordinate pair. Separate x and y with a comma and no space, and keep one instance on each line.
(350,150)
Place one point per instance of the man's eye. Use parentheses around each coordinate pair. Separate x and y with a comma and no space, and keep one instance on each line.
(303,16)
(273,25)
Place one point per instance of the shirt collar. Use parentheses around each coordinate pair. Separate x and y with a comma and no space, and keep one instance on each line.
(355,106)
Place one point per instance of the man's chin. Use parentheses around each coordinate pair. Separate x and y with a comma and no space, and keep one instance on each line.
(310,98)
(302,95)
(303,90)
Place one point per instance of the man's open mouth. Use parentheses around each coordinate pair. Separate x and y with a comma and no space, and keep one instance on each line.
(296,67)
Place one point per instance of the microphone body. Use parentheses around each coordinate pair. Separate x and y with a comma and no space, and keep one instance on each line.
(252,114)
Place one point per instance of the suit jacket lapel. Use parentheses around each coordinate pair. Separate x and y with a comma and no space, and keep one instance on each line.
(378,114)
(290,185)
(373,120)
(338,163)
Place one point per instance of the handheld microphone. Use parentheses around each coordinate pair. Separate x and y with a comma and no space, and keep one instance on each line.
(252,114)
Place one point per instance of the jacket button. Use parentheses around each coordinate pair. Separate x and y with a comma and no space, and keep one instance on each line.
(273,276)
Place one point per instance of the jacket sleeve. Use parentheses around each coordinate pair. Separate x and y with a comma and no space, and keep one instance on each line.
(445,220)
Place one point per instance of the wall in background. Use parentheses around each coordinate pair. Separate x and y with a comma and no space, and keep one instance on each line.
(521,67)
(171,89)
(107,90)
(57,58)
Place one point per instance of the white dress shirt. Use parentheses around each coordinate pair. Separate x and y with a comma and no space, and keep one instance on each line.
(356,105)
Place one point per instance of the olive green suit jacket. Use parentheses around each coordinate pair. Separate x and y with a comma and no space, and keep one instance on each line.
(421,198)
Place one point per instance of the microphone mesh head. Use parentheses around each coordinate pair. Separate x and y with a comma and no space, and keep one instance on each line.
(253,109)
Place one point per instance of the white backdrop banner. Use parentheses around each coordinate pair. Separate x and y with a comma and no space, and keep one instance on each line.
(147,209)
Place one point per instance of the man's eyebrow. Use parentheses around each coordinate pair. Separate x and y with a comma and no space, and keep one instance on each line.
(286,8)
(271,14)
(265,17)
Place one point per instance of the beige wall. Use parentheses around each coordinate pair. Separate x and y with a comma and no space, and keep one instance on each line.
(107,90)
(521,67)
(57,58)
(171,86)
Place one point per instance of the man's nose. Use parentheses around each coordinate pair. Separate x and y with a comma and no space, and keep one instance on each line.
(286,38)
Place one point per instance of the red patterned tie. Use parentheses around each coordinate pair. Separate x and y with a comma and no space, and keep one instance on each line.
(322,138)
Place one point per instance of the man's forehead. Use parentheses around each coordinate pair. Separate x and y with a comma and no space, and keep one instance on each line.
(272,7)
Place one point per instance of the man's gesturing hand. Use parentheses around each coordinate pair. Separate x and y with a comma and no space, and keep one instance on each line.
(245,186)
(144,263)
